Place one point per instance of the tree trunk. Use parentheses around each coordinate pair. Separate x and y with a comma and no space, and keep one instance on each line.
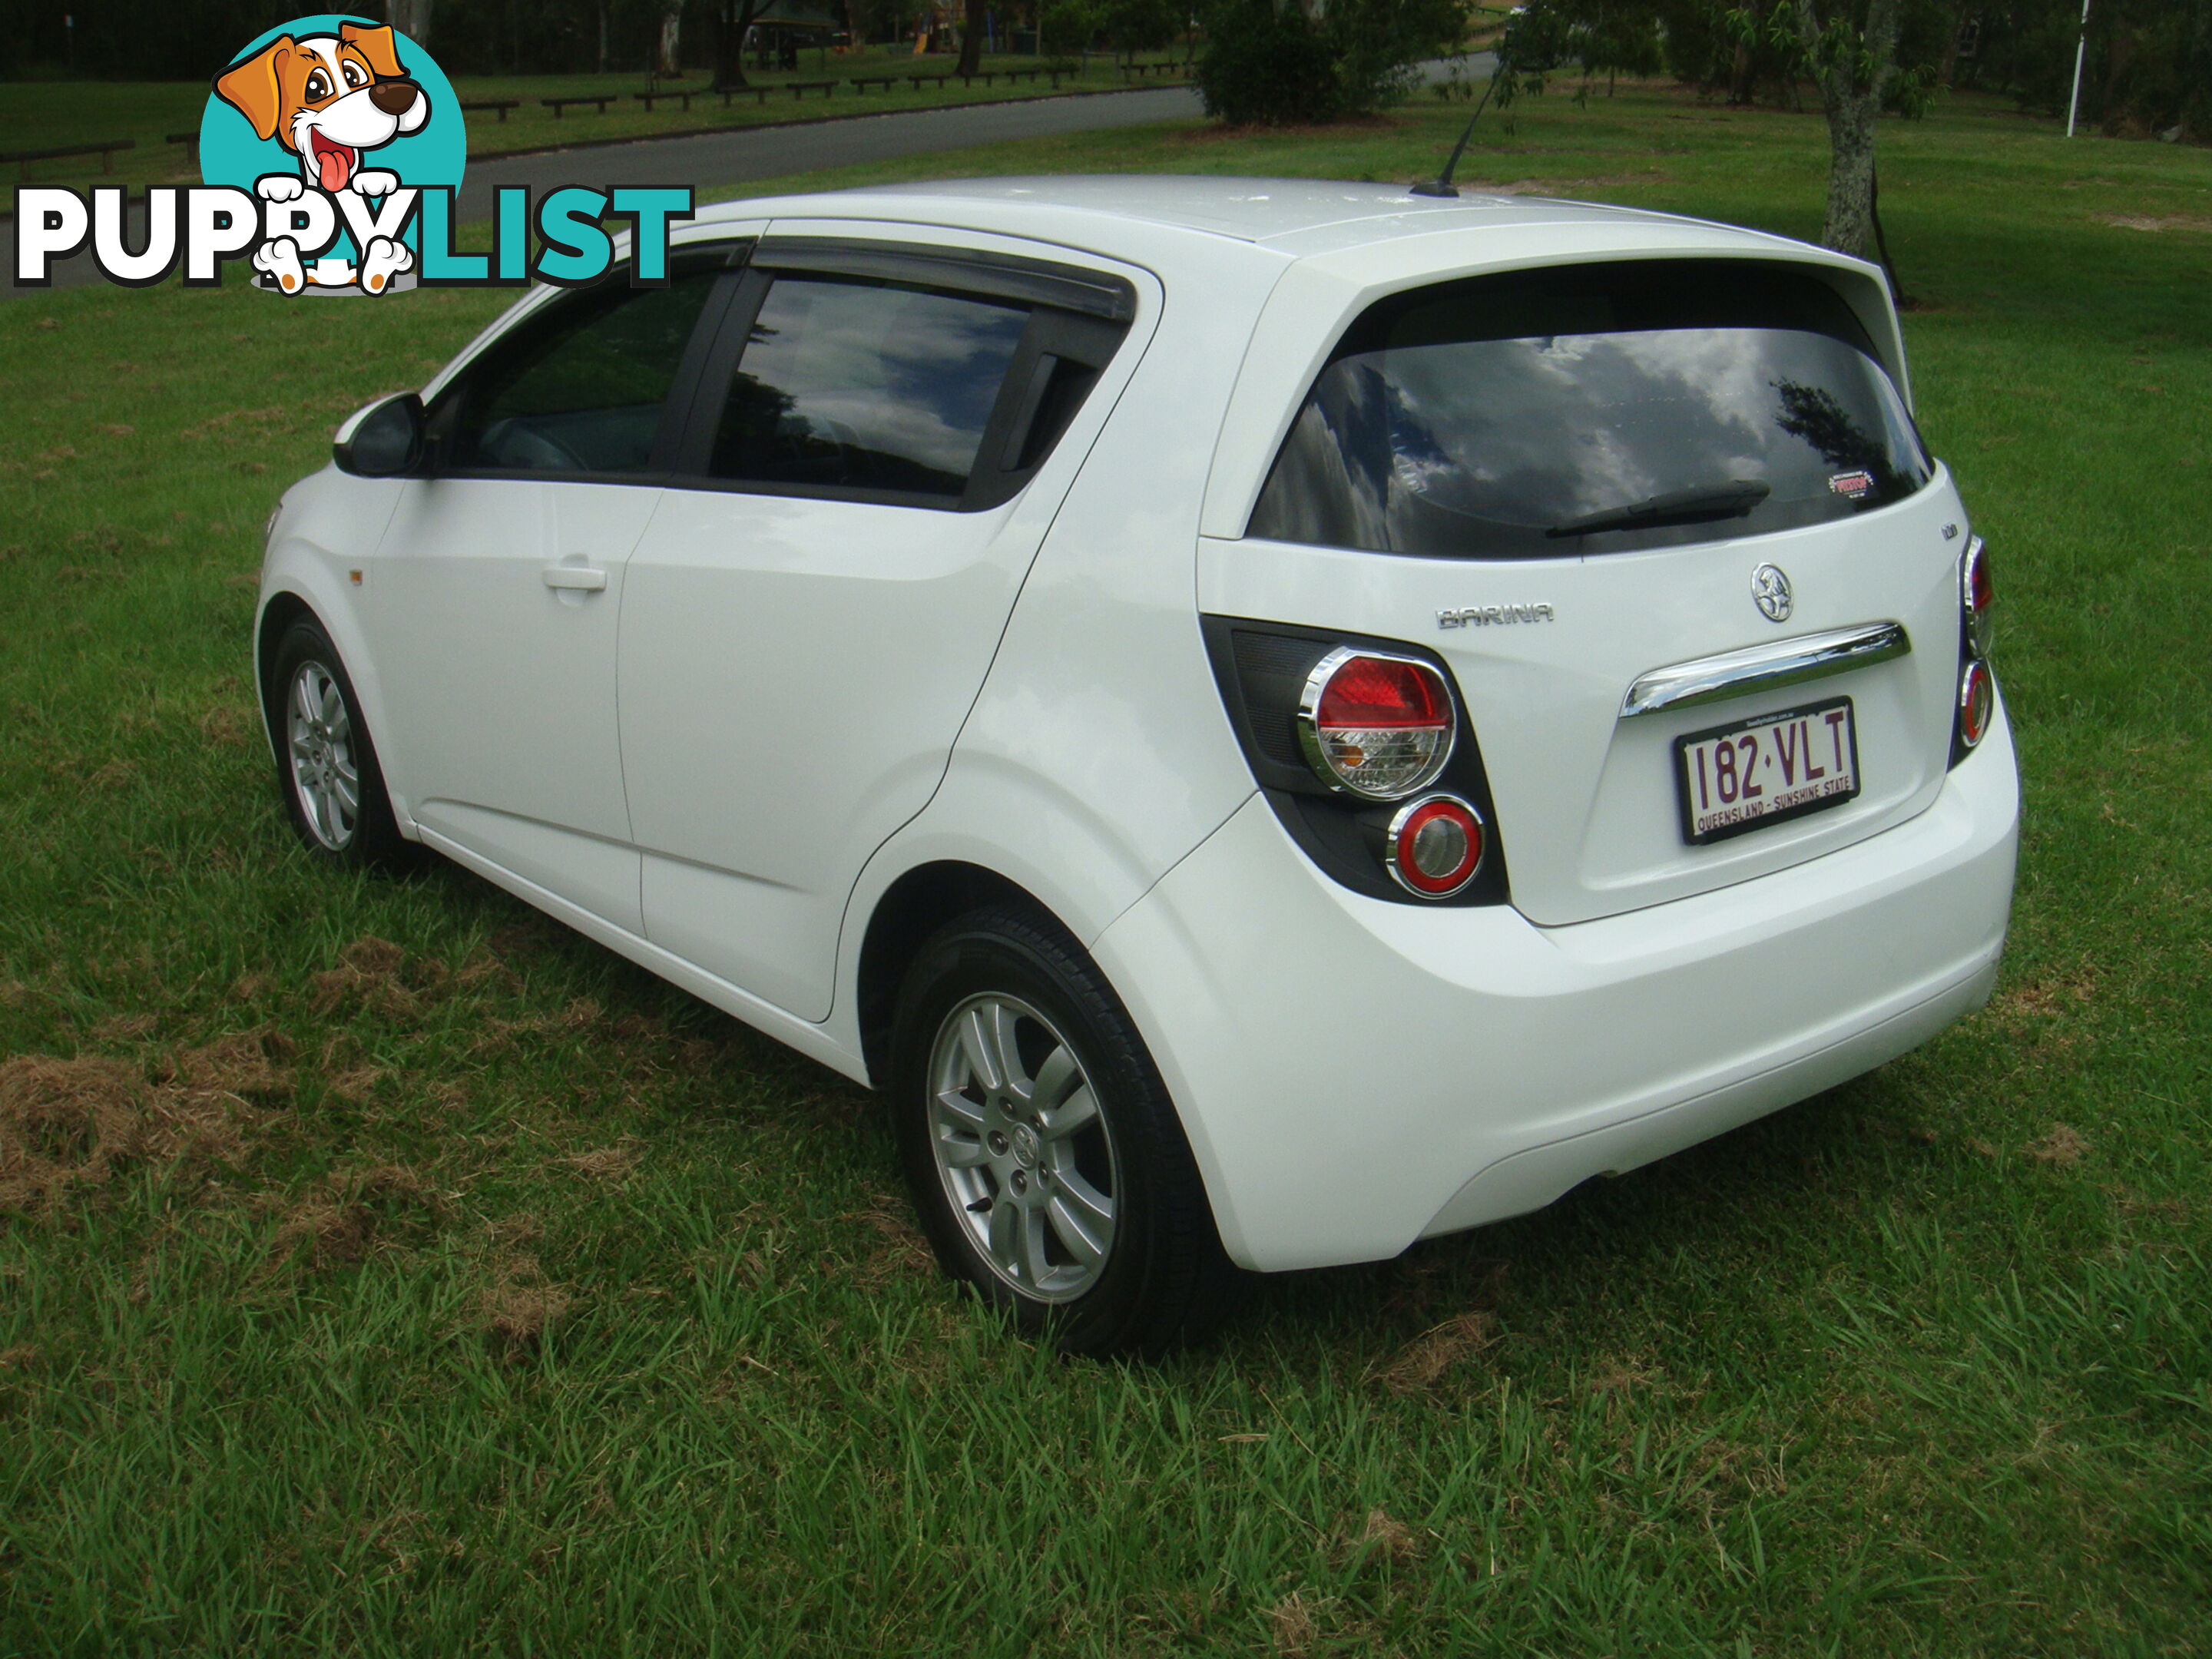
(412,18)
(732,17)
(971,39)
(670,55)
(1954,21)
(1853,70)
(1849,227)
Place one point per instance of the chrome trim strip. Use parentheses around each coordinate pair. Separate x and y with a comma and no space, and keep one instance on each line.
(1764,667)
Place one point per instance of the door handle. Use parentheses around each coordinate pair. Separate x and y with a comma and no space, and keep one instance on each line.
(576,578)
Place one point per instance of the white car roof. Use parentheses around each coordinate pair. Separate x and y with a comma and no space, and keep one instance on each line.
(1290,217)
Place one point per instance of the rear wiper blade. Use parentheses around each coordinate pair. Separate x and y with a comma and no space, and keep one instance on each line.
(1729,501)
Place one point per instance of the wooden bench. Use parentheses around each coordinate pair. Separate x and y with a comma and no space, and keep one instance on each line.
(647,99)
(502,104)
(864,81)
(759,94)
(801,88)
(936,80)
(556,105)
(1021,74)
(984,76)
(191,141)
(105,150)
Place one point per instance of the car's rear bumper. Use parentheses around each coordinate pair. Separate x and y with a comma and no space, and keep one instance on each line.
(1357,1074)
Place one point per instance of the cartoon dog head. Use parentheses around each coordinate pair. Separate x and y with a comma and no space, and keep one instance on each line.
(327,98)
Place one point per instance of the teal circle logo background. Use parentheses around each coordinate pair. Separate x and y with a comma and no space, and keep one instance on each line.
(231,153)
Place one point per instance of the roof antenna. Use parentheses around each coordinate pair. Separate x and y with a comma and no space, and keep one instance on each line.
(1441,184)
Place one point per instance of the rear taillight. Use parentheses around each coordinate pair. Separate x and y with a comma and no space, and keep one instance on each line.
(1367,757)
(1978,701)
(1376,727)
(1978,597)
(1435,845)
(1977,683)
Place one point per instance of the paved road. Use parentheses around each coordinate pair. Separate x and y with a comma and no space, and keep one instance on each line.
(717,160)
(709,162)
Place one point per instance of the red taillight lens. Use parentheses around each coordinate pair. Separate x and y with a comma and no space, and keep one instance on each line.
(1978,594)
(1435,845)
(1379,727)
(1978,701)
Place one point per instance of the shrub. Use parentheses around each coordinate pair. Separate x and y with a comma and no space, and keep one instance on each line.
(1261,67)
(1270,65)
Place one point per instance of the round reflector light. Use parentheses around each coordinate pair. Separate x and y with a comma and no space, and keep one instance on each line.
(1376,727)
(1977,594)
(1978,702)
(1435,845)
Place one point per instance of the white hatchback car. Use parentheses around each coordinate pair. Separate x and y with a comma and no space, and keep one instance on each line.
(1276,718)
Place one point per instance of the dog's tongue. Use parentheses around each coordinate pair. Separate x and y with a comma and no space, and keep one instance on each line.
(335,163)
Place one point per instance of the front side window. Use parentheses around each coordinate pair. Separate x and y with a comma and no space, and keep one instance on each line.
(578,388)
(1590,409)
(865,386)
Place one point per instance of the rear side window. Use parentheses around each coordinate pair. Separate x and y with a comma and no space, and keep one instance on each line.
(1589,409)
(859,385)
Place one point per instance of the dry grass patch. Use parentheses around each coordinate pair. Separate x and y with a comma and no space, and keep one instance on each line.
(1422,1363)
(1383,1537)
(349,1214)
(69,1124)
(899,1251)
(2155,222)
(374,974)
(610,1163)
(1293,1626)
(2062,1146)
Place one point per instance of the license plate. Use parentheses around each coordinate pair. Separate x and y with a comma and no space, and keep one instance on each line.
(1754,773)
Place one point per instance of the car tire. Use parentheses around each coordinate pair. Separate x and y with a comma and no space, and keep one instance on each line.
(1046,1161)
(327,766)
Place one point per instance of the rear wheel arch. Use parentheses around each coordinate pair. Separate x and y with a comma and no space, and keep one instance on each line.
(910,912)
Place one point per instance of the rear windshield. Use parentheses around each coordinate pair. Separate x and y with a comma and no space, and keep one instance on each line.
(1592,408)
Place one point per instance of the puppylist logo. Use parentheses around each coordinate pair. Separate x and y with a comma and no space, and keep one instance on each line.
(332,150)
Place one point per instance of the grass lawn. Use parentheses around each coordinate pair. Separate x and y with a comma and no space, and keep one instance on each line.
(47,115)
(384,1270)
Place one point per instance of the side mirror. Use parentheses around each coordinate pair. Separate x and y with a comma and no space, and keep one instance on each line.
(382,440)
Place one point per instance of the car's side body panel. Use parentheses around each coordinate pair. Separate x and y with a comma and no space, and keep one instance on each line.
(795,671)
(504,685)
(1097,755)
